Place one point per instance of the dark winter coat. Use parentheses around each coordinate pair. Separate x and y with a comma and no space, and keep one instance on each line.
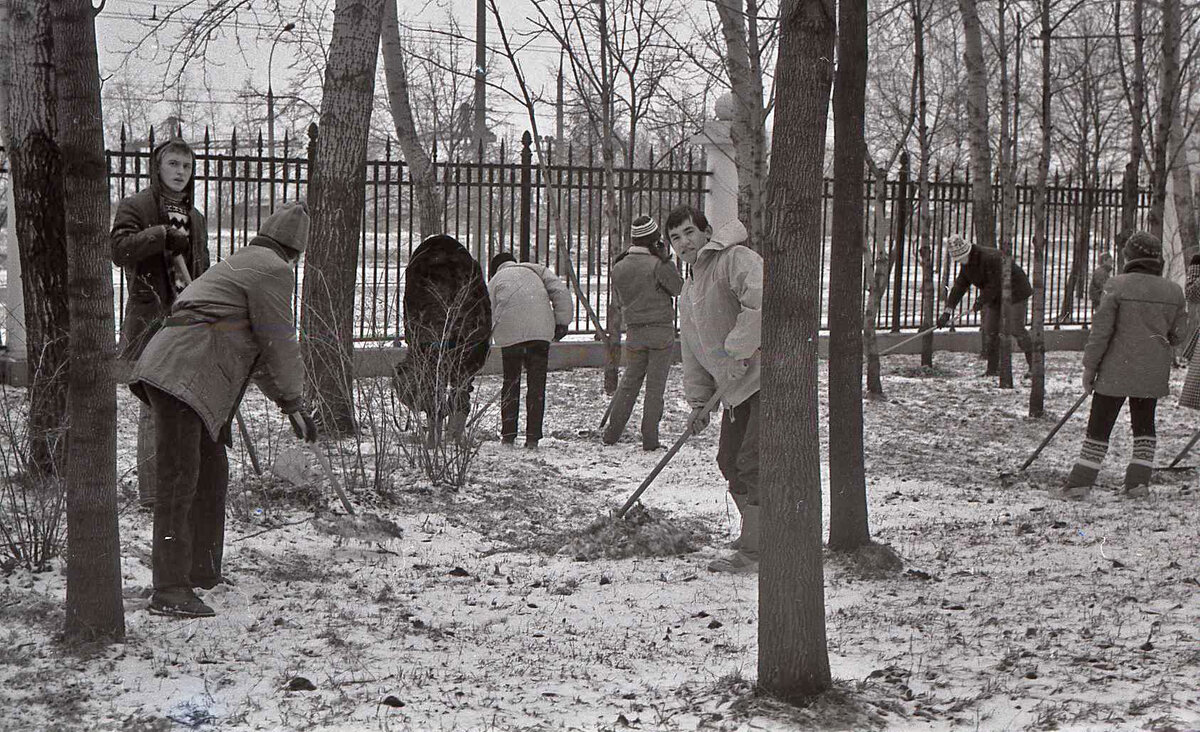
(138,240)
(645,286)
(1141,316)
(983,269)
(446,304)
(232,322)
(1100,277)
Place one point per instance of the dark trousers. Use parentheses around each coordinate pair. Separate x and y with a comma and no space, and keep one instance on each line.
(991,332)
(1106,408)
(647,358)
(531,356)
(189,507)
(737,451)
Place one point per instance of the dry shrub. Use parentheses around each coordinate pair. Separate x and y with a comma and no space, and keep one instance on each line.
(32,505)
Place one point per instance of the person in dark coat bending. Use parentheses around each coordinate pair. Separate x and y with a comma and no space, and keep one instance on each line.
(983,268)
(231,324)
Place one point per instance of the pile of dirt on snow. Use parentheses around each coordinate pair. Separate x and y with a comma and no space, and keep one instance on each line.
(641,533)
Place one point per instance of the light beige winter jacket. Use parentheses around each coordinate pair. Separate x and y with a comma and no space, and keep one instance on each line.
(720,318)
(528,300)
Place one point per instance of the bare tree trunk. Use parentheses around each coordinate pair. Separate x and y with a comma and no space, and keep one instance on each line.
(1007,208)
(982,214)
(336,194)
(848,529)
(612,350)
(739,26)
(95,609)
(40,226)
(424,177)
(924,215)
(793,658)
(1137,109)
(878,268)
(1176,157)
(1037,390)
(1168,103)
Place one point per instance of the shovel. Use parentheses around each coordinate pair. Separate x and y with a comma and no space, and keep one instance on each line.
(182,270)
(1054,431)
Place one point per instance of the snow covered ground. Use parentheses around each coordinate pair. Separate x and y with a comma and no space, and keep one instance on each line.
(1014,609)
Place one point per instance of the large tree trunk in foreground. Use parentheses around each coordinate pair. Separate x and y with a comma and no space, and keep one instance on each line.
(336,194)
(848,527)
(39,223)
(420,168)
(793,658)
(94,606)
(982,212)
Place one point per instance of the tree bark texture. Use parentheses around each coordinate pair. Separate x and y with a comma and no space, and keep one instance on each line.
(40,226)
(878,268)
(793,659)
(1168,104)
(924,213)
(616,240)
(848,526)
(95,609)
(982,213)
(1176,158)
(420,168)
(739,26)
(1137,111)
(1008,206)
(336,194)
(1037,390)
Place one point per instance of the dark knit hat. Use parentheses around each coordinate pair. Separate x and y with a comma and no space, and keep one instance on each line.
(499,259)
(644,231)
(1143,245)
(288,226)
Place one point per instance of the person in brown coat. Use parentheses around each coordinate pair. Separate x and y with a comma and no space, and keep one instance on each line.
(151,228)
(1129,354)
(233,323)
(646,282)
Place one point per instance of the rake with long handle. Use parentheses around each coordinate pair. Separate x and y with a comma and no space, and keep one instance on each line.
(181,269)
(912,338)
(1054,431)
(1186,449)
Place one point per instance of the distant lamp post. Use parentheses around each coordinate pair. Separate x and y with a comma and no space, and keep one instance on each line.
(271,106)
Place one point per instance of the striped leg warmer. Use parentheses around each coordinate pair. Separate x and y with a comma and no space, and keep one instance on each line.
(1138,472)
(1087,467)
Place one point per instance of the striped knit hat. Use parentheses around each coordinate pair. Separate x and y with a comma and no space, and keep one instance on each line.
(644,231)
(958,248)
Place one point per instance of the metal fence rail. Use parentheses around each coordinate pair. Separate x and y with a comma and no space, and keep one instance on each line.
(501,204)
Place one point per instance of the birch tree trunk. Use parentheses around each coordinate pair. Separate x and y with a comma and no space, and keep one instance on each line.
(982,213)
(739,26)
(1168,103)
(40,226)
(95,609)
(878,267)
(336,194)
(420,168)
(848,527)
(793,659)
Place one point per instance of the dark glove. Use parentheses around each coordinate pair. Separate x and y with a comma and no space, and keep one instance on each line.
(560,332)
(944,319)
(303,425)
(1195,259)
(178,242)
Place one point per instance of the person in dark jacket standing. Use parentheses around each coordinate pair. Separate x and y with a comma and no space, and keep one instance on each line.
(234,322)
(447,327)
(151,228)
(645,281)
(1129,354)
(983,268)
(1100,277)
(530,306)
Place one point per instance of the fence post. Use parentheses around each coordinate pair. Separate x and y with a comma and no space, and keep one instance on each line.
(901,232)
(526,191)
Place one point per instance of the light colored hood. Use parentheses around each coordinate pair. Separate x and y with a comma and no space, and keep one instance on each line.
(730,233)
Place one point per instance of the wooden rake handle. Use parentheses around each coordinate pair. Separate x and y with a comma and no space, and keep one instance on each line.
(1054,431)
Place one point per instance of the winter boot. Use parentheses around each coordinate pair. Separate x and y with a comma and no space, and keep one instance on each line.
(1137,474)
(745,559)
(179,602)
(1087,467)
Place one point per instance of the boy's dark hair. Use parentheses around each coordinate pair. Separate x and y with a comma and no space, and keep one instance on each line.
(498,260)
(680,215)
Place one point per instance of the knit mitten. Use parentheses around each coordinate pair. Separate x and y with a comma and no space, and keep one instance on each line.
(1140,467)
(1087,467)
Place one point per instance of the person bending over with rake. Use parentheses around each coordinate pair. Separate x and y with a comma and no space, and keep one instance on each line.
(1129,354)
(231,324)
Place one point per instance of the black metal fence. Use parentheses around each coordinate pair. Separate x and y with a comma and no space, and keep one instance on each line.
(502,205)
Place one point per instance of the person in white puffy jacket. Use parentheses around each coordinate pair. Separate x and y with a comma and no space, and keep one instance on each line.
(720,331)
(530,307)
